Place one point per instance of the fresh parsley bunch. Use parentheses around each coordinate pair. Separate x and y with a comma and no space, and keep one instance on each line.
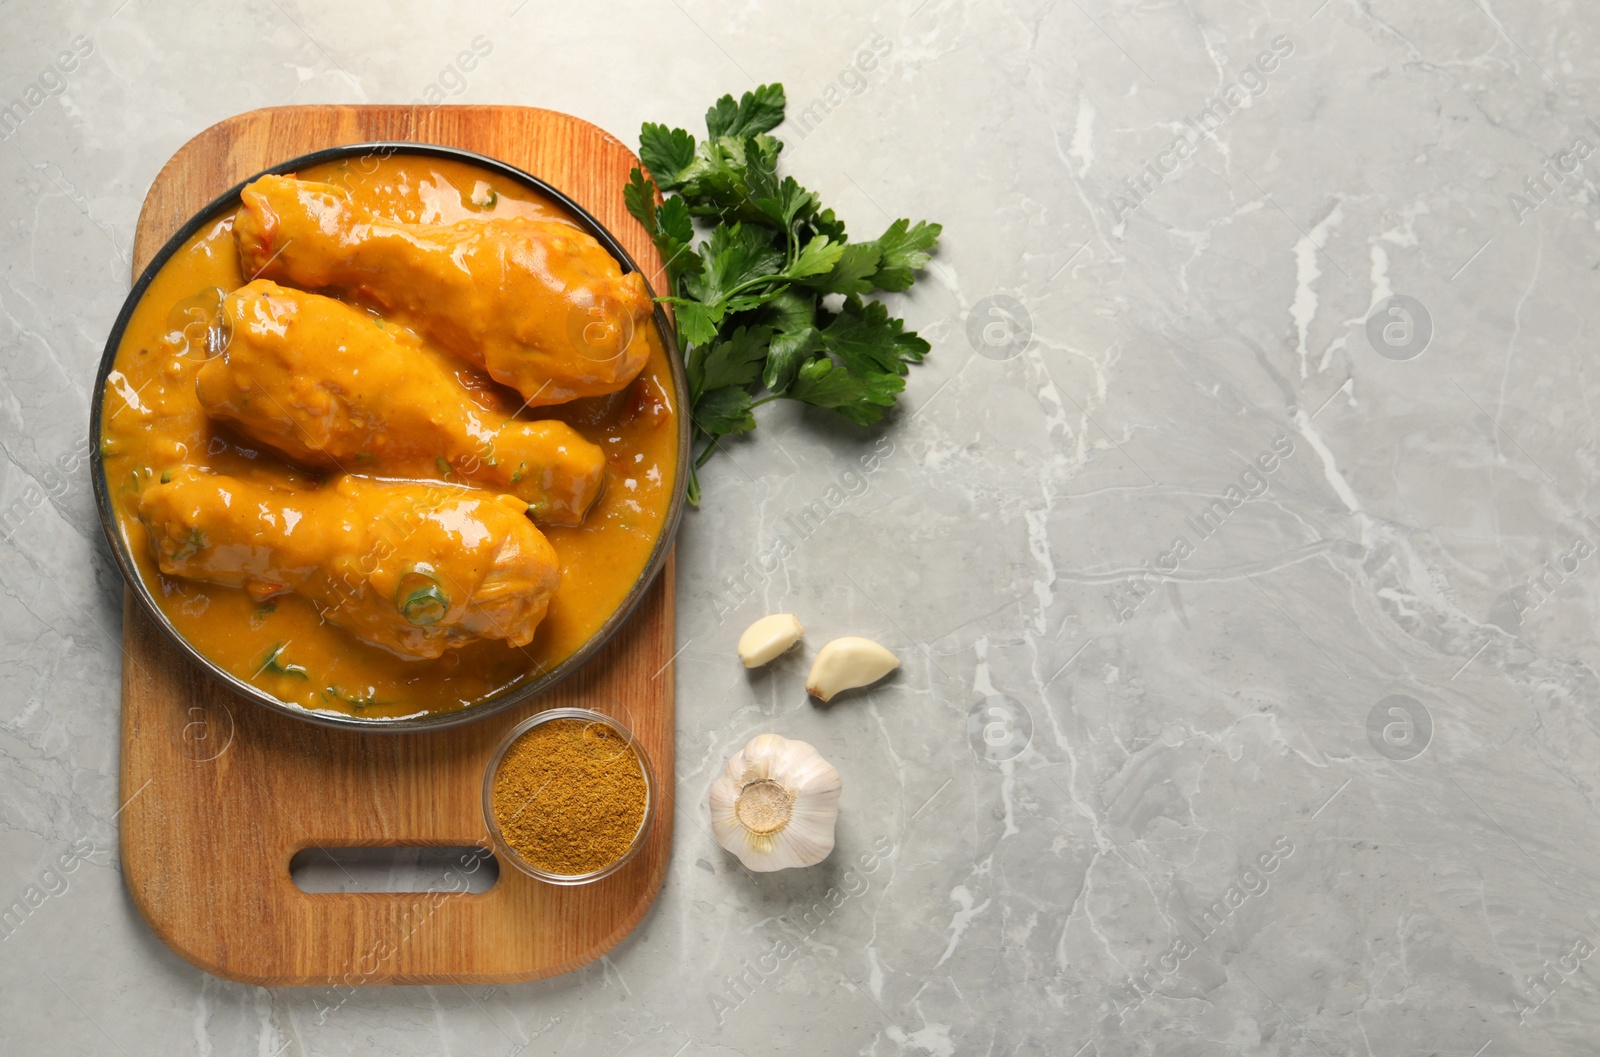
(749,297)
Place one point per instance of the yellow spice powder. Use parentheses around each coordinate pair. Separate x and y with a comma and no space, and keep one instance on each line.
(569,796)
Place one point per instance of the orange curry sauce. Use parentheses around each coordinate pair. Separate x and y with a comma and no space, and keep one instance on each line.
(153,422)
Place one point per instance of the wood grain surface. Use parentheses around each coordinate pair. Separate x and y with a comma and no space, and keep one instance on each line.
(219,793)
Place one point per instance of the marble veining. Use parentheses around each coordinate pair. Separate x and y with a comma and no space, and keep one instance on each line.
(1236,538)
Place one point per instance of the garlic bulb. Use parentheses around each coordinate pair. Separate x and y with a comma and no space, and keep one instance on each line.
(775,804)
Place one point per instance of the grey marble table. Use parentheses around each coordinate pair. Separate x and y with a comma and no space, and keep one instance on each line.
(1237,535)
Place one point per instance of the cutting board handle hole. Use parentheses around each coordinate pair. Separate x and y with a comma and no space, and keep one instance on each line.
(406,868)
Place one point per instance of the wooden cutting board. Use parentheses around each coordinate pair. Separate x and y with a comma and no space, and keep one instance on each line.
(219,793)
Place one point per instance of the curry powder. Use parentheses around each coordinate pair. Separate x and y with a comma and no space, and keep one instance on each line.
(569,796)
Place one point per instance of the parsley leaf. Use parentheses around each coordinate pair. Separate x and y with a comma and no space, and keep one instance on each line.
(866,340)
(640,198)
(735,360)
(792,308)
(788,351)
(905,250)
(675,238)
(757,300)
(827,224)
(734,257)
(670,227)
(697,322)
(791,203)
(757,111)
(853,272)
(860,399)
(817,257)
(666,152)
(723,411)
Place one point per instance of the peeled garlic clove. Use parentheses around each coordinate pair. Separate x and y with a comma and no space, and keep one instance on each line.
(775,804)
(769,638)
(847,663)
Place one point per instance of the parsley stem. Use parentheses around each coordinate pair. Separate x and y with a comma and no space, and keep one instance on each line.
(701,461)
(757,280)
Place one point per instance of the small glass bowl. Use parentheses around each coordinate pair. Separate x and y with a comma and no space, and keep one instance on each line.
(510,854)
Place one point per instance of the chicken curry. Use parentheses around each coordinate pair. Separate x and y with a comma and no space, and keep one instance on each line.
(396,436)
